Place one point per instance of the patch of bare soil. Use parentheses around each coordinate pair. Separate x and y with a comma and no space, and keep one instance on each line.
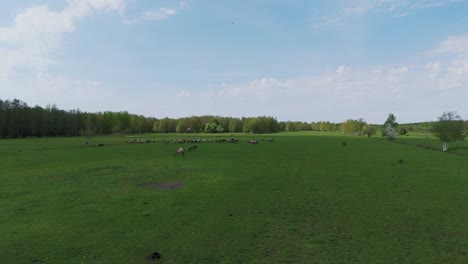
(162,185)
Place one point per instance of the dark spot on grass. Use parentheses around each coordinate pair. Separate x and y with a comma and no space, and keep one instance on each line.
(153,256)
(401,161)
(36,261)
(344,143)
(162,185)
(103,168)
(145,203)
(230,214)
(147,215)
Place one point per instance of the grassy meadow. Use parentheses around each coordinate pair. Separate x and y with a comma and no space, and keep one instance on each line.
(304,198)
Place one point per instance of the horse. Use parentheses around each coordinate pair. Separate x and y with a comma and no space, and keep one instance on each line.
(180,151)
(192,148)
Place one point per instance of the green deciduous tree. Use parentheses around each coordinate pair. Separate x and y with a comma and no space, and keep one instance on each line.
(449,128)
(352,126)
(390,127)
(368,131)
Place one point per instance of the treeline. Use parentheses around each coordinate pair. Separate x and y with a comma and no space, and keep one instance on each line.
(361,128)
(17,119)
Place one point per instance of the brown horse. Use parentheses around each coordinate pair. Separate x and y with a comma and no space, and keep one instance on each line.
(192,148)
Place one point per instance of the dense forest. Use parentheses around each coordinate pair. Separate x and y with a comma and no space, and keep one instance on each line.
(17,119)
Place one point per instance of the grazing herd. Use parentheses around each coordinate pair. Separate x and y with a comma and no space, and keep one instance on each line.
(140,141)
(181,151)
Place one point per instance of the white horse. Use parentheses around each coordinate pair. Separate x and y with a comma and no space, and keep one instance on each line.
(252,141)
(180,151)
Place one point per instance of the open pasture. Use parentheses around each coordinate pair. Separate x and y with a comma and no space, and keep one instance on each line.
(304,198)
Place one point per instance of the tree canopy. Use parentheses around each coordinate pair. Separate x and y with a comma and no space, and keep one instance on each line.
(449,128)
(390,127)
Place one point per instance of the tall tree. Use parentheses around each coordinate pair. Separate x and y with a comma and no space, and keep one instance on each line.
(390,127)
(449,128)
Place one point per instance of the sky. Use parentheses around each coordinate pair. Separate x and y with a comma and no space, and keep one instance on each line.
(295,60)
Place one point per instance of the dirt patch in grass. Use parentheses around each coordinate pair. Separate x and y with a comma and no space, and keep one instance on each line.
(162,185)
(103,168)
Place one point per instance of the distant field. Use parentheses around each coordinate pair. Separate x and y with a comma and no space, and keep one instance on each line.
(427,140)
(304,198)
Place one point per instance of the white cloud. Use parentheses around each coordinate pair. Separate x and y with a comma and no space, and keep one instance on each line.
(433,69)
(161,14)
(183,93)
(31,42)
(360,8)
(43,89)
(415,93)
(183,5)
(400,69)
(454,52)
(323,22)
(402,14)
(342,69)
(357,10)
(34,39)
(458,67)
(453,44)
(430,4)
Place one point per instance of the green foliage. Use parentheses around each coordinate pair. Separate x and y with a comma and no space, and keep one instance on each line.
(390,127)
(183,126)
(213,127)
(235,125)
(17,119)
(403,131)
(294,126)
(368,131)
(260,125)
(449,128)
(327,126)
(352,126)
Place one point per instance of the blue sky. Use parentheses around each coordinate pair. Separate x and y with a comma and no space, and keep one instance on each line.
(292,59)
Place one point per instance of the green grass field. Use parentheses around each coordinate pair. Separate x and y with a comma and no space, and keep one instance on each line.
(304,198)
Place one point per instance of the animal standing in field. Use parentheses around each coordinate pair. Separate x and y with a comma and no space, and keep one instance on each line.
(180,151)
(192,148)
(252,141)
